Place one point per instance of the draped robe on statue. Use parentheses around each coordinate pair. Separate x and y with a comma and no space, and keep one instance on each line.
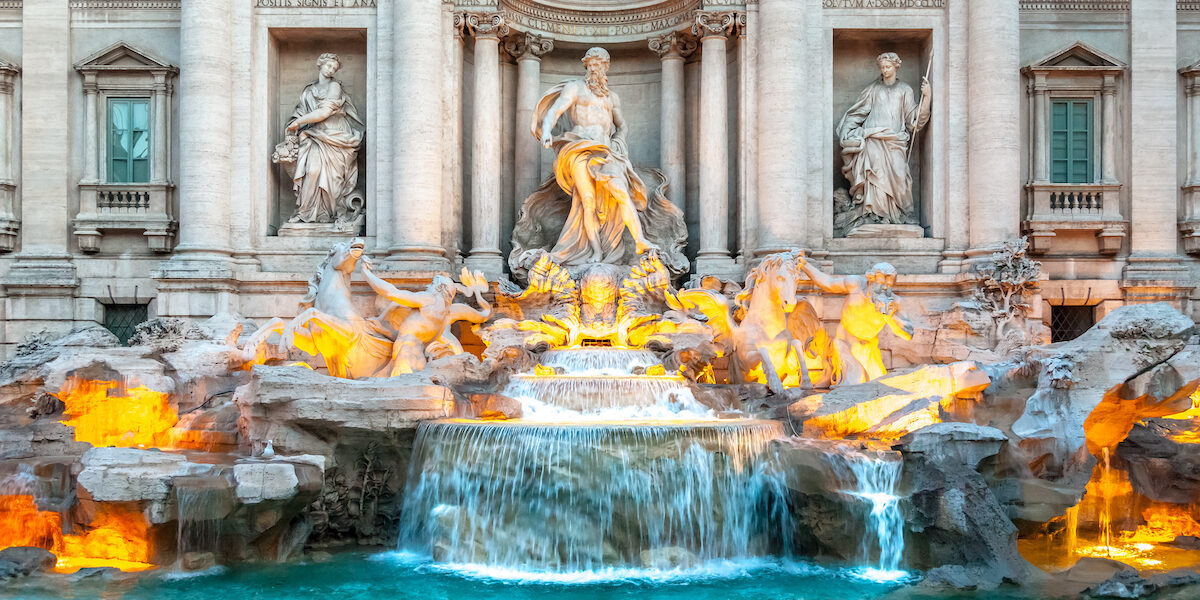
(327,165)
(874,135)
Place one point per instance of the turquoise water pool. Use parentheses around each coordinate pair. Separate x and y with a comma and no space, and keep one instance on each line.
(396,576)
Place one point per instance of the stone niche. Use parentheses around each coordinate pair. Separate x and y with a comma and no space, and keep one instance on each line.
(292,65)
(854,68)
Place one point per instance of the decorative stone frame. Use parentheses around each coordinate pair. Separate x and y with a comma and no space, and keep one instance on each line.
(1077,71)
(123,71)
(9,224)
(1189,227)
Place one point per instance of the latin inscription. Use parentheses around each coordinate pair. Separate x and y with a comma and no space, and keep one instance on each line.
(314,3)
(622,29)
(883,3)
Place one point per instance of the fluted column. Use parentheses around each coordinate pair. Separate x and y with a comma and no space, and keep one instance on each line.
(713,27)
(780,126)
(528,50)
(485,145)
(205,130)
(8,73)
(1192,90)
(994,137)
(418,138)
(672,48)
(1152,173)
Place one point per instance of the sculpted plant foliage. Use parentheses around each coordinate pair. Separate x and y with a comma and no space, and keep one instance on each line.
(1006,286)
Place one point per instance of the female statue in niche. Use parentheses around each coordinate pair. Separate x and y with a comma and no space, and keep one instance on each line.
(875,135)
(320,150)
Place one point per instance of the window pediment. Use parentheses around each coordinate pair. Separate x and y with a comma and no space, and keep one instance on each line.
(1078,57)
(123,57)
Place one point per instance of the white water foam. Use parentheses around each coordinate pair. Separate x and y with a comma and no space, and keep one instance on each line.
(876,479)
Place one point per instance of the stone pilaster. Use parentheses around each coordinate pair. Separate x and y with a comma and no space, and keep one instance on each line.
(1154,261)
(9,224)
(994,137)
(781,129)
(747,151)
(672,49)
(1189,228)
(713,28)
(41,283)
(418,145)
(486,132)
(452,115)
(528,50)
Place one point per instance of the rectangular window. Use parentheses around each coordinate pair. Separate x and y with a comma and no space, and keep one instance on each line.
(123,319)
(128,140)
(1069,322)
(1071,141)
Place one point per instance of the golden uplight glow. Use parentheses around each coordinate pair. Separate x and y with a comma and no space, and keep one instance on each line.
(116,537)
(105,413)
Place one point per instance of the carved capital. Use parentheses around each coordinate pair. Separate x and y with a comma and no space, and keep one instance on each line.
(528,45)
(715,23)
(672,44)
(484,24)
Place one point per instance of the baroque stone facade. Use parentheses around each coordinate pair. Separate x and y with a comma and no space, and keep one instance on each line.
(136,140)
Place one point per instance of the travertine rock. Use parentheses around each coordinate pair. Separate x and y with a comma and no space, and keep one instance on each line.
(131,474)
(1162,467)
(892,405)
(961,443)
(262,480)
(305,412)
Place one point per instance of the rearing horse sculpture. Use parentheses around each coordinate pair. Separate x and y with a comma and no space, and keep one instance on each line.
(765,329)
(394,342)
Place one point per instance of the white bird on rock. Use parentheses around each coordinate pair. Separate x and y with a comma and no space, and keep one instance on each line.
(268,452)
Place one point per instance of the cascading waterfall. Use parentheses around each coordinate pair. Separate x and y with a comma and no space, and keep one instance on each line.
(202,504)
(600,384)
(876,479)
(569,498)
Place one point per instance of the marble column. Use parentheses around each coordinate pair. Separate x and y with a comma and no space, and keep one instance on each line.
(528,50)
(994,137)
(91,141)
(672,48)
(713,29)
(1152,174)
(781,129)
(485,145)
(205,131)
(418,148)
(747,151)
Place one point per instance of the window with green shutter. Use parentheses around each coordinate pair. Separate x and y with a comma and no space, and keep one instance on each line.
(128,140)
(1071,141)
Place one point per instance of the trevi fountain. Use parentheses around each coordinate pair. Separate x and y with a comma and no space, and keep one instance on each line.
(657,299)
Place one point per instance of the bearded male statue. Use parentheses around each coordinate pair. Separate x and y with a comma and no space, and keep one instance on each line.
(871,306)
(607,214)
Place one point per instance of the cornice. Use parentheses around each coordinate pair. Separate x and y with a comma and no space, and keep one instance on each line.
(1076,5)
(124,4)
